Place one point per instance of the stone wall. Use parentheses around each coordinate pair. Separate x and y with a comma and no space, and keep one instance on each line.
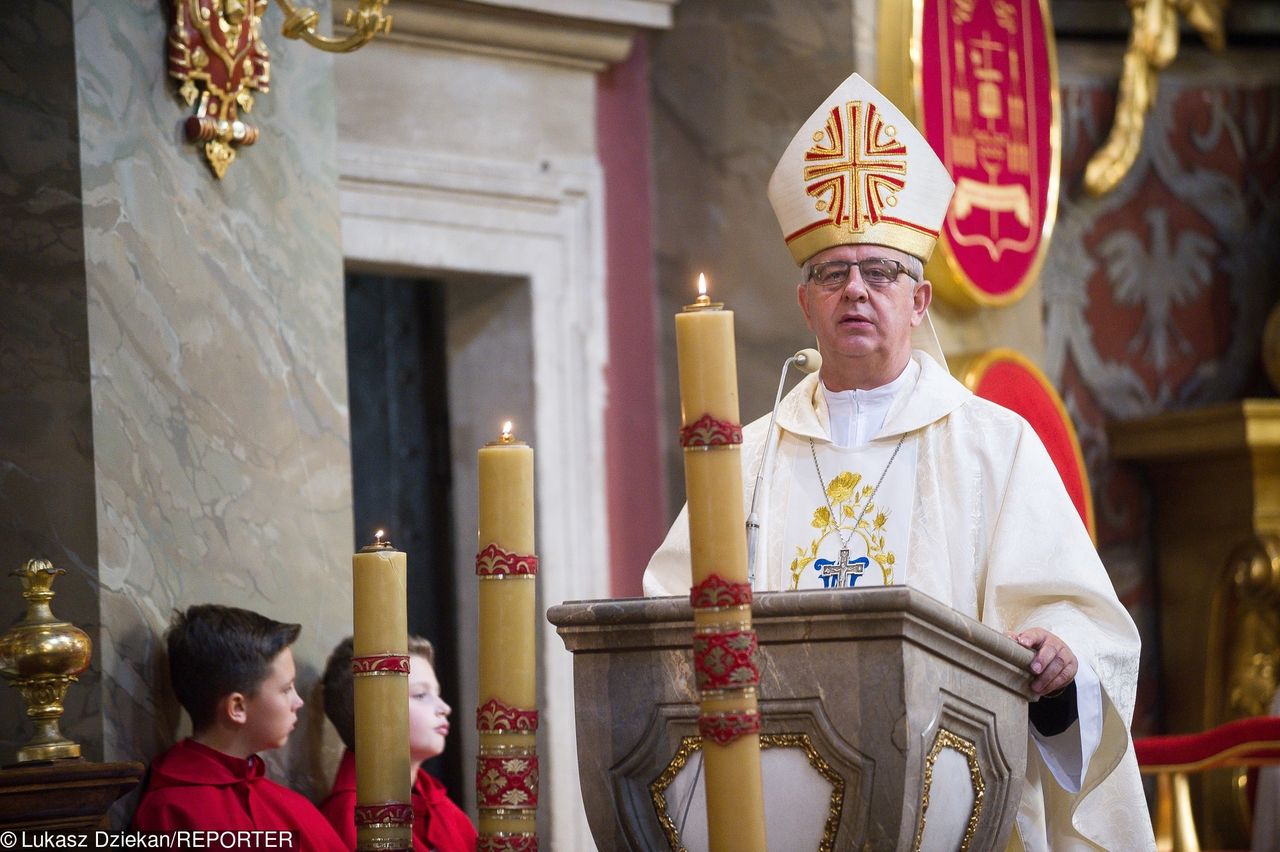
(212,364)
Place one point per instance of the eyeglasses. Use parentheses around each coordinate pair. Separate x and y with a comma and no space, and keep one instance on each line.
(878,273)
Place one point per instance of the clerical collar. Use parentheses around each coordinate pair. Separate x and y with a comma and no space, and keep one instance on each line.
(854,416)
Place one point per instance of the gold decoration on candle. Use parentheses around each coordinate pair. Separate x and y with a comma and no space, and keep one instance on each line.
(380,664)
(507,719)
(724,641)
(42,656)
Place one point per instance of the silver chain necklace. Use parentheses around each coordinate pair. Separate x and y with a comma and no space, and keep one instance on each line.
(842,567)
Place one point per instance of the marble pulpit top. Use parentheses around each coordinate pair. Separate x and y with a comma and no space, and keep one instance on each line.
(817,615)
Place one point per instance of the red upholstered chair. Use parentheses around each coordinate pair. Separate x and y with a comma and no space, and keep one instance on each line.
(1008,377)
(1242,743)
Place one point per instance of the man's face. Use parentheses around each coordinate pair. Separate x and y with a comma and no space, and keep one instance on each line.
(272,711)
(860,322)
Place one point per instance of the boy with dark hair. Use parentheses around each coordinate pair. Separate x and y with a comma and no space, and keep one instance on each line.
(232,671)
(438,824)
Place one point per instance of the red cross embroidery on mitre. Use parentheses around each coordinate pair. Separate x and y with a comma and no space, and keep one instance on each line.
(855,174)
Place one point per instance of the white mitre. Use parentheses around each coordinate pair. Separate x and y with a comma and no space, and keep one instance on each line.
(858,172)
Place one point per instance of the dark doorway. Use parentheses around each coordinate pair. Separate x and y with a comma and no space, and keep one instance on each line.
(400,458)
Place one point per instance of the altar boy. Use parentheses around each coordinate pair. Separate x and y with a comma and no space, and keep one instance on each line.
(439,825)
(232,671)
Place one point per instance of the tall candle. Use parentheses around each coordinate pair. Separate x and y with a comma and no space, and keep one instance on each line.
(728,720)
(380,669)
(507,716)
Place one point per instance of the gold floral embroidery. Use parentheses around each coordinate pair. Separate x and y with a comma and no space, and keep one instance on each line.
(843,492)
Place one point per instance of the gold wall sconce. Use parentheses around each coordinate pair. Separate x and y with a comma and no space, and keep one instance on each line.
(217,52)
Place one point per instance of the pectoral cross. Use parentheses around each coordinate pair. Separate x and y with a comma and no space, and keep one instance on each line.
(841,569)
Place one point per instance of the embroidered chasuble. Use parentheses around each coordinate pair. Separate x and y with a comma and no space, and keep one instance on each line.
(877,550)
(973,513)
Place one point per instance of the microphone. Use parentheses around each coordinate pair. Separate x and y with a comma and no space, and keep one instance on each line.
(807,361)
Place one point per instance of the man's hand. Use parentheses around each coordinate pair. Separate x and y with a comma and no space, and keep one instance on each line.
(1054,665)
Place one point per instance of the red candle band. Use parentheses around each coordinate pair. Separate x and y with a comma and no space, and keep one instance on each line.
(724,728)
(493,561)
(507,781)
(716,592)
(725,660)
(707,431)
(507,843)
(380,664)
(495,717)
(385,815)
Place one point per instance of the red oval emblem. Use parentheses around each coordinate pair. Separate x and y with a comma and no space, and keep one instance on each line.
(988,104)
(1009,378)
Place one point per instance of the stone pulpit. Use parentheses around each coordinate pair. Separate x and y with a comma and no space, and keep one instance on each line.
(889,721)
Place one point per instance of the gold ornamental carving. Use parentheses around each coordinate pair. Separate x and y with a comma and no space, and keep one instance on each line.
(1153,43)
(217,52)
(1244,633)
(41,656)
(365,21)
(955,742)
(1241,678)
(691,745)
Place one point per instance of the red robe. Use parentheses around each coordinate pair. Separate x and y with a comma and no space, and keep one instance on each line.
(438,824)
(196,788)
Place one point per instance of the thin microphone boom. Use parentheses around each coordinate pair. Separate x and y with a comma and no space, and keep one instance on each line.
(808,361)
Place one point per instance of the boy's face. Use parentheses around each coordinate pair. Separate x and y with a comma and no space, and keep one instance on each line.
(272,711)
(428,714)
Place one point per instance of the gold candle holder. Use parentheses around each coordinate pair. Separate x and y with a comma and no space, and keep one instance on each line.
(42,656)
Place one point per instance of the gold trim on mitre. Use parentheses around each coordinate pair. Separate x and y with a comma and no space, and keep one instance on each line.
(858,172)
(805,244)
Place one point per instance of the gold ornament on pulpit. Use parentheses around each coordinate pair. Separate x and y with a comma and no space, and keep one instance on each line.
(41,656)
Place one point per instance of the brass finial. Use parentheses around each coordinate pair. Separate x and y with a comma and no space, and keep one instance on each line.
(42,656)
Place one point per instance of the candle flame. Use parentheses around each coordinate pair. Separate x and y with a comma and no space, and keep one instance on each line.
(506,430)
(702,284)
(377,537)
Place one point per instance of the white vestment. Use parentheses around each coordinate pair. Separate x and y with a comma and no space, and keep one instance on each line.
(994,535)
